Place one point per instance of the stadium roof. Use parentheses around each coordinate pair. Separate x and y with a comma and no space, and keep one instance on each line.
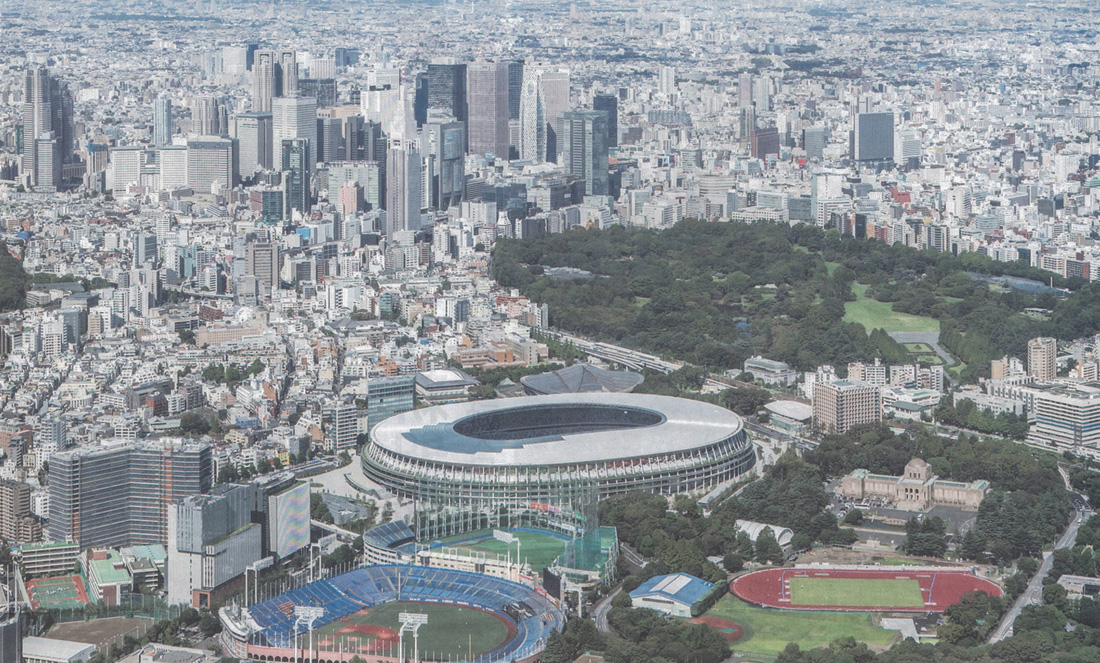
(581,378)
(559,429)
(444,378)
(679,587)
(49,649)
(791,410)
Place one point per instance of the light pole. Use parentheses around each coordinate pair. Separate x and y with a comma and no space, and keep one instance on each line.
(410,621)
(308,614)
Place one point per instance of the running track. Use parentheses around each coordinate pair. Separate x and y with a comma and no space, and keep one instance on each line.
(771,587)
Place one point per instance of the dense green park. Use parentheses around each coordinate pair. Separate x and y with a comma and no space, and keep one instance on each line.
(714,294)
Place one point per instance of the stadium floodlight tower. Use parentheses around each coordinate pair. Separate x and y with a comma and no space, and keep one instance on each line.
(308,614)
(508,538)
(410,621)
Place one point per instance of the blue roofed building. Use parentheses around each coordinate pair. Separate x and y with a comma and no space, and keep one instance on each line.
(672,594)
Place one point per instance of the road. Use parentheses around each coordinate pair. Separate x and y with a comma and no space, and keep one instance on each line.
(1033,595)
(602,608)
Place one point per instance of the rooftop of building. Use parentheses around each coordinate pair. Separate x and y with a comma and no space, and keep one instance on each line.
(678,587)
(582,378)
(564,428)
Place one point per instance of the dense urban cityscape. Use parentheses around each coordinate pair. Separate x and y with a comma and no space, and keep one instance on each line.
(766,333)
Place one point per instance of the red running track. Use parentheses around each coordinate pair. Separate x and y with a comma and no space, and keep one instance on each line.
(940,589)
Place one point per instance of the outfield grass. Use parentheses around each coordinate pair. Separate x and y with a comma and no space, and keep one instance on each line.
(768,631)
(855,592)
(448,634)
(539,550)
(874,314)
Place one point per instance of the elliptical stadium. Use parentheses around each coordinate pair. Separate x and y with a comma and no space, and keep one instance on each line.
(545,461)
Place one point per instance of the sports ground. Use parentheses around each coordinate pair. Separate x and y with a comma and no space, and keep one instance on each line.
(452,632)
(912,589)
(539,549)
(767,632)
(60,593)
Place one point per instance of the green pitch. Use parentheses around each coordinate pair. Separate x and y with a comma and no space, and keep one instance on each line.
(539,550)
(856,592)
(767,631)
(449,634)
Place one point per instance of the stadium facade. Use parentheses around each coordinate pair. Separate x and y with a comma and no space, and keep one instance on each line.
(545,461)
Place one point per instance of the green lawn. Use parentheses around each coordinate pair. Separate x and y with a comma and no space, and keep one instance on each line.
(768,631)
(831,267)
(539,550)
(448,634)
(919,348)
(874,314)
(854,592)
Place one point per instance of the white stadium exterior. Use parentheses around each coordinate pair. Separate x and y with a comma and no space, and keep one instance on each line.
(532,450)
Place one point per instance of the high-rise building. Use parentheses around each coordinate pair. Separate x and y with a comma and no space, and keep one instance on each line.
(321,89)
(389,396)
(209,116)
(764,141)
(254,135)
(163,127)
(872,139)
(584,149)
(666,80)
(262,261)
(545,97)
(349,198)
(404,187)
(212,539)
(842,404)
(813,141)
(609,104)
(295,117)
(330,139)
(340,420)
(487,99)
(120,495)
(126,163)
(172,160)
(447,90)
(515,88)
(443,145)
(288,73)
(368,175)
(48,127)
(211,162)
(145,249)
(295,166)
(1042,358)
(744,91)
(265,80)
(17,521)
(1067,418)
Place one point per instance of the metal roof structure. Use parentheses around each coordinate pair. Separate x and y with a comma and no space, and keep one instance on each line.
(581,378)
(551,430)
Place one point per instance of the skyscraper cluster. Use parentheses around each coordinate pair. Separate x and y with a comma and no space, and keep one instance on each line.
(47,129)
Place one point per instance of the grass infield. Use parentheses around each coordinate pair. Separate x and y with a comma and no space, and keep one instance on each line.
(856,592)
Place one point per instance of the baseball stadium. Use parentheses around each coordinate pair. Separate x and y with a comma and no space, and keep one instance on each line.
(462,616)
(899,589)
(545,461)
